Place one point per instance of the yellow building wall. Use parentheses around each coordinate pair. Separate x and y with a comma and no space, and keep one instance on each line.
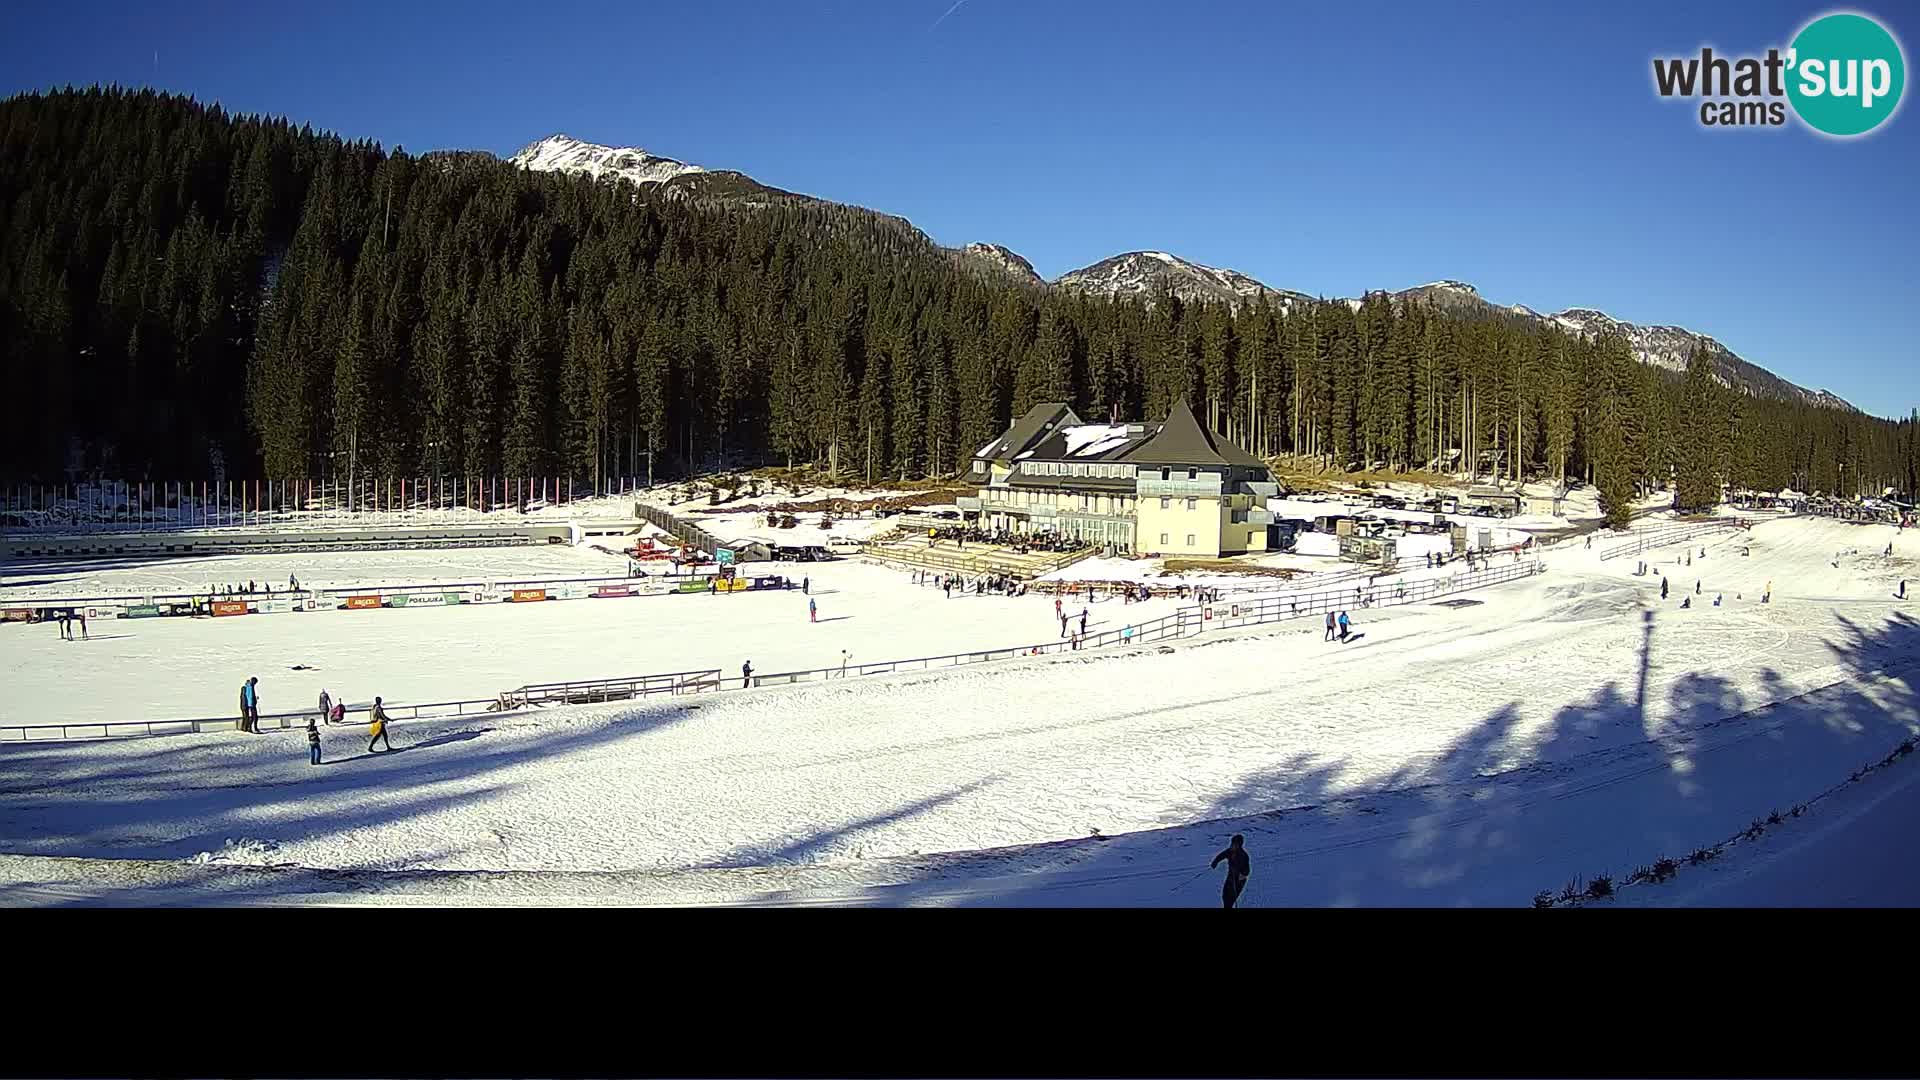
(1203,521)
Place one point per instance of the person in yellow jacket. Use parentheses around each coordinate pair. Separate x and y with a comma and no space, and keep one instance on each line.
(379,727)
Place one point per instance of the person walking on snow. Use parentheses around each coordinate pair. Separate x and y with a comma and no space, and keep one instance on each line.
(1063,624)
(806,585)
(1239,868)
(326,706)
(313,742)
(250,705)
(1346,627)
(813,611)
(1696,586)
(1663,587)
(1056,607)
(379,729)
(1083,621)
(1330,627)
(949,588)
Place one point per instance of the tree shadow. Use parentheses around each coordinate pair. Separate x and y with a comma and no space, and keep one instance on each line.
(1631,772)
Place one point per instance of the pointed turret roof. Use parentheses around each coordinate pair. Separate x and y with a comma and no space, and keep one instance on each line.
(1182,441)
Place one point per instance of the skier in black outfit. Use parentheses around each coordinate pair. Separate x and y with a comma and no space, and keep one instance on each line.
(1663,588)
(1238,868)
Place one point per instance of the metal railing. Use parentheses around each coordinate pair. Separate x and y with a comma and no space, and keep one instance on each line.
(124,729)
(586,691)
(1648,537)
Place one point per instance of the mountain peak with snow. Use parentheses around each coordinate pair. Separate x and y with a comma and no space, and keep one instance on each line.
(1142,273)
(563,153)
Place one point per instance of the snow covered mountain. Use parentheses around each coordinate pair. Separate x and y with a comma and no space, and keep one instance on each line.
(1666,347)
(1002,260)
(562,153)
(1140,273)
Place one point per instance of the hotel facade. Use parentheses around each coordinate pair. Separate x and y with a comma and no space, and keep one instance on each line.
(1170,488)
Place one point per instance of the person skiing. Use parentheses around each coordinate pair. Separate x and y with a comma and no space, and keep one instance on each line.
(250,705)
(1663,587)
(1696,586)
(1239,868)
(746,674)
(1330,627)
(813,610)
(1346,627)
(313,742)
(379,729)
(326,706)
(1717,597)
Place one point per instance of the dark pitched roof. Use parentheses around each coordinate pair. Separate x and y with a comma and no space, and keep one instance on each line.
(1090,442)
(1182,441)
(1040,420)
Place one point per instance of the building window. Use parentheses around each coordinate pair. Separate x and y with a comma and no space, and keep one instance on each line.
(1189,539)
(1166,502)
(1193,504)
(1166,473)
(1163,539)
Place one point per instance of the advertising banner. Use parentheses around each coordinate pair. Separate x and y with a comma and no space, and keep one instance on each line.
(521,596)
(229,607)
(143,611)
(363,601)
(692,586)
(613,590)
(280,605)
(734,585)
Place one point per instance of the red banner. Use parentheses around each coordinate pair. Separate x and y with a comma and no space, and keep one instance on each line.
(521,596)
(613,590)
(363,601)
(229,607)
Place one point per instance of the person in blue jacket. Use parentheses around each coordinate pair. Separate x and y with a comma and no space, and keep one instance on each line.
(250,705)
(1345,627)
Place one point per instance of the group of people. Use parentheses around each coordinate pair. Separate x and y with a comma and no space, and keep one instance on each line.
(1338,622)
(249,588)
(330,712)
(68,618)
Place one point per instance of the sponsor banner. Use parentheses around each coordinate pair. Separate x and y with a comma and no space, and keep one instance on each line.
(363,601)
(229,607)
(143,611)
(734,585)
(279,605)
(723,556)
(692,586)
(613,590)
(651,588)
(521,596)
(16,614)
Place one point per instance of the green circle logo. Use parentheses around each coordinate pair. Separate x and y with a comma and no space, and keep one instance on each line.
(1845,74)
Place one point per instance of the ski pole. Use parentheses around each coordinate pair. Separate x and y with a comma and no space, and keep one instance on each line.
(1189,881)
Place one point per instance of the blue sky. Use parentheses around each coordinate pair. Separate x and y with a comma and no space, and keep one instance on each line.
(1326,148)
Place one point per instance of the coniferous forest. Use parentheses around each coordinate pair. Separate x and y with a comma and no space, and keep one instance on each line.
(182,289)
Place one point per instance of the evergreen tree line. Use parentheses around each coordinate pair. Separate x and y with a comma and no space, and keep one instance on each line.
(180,287)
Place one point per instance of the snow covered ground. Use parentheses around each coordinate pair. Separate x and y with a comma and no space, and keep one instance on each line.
(1571,724)
(145,669)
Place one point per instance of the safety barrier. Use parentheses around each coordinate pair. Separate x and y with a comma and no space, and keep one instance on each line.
(124,729)
(1648,537)
(584,691)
